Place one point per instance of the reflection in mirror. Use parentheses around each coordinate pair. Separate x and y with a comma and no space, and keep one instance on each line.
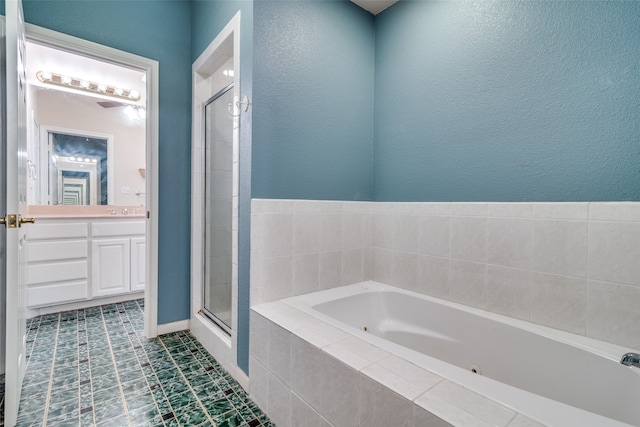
(78,169)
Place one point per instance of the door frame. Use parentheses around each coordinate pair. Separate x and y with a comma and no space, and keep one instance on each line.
(103,53)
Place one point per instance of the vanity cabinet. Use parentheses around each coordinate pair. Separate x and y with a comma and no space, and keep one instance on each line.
(81,259)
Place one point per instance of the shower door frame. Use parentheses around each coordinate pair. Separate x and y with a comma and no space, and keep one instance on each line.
(206,254)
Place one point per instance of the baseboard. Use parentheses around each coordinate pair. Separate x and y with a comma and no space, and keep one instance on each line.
(39,311)
(167,328)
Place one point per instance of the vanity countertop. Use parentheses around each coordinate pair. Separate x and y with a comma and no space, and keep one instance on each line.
(98,211)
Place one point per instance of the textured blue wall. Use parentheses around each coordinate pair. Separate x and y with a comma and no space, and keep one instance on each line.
(507,101)
(313,100)
(208,19)
(158,30)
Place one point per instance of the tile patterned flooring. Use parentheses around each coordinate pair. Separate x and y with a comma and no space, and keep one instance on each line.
(95,367)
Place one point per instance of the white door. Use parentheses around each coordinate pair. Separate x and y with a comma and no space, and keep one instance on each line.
(16,232)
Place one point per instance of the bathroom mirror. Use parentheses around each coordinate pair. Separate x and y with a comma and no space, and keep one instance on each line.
(79,168)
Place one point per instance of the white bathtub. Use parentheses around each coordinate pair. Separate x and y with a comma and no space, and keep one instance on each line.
(557,378)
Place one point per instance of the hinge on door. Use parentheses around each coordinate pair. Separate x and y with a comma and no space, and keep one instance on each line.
(9,221)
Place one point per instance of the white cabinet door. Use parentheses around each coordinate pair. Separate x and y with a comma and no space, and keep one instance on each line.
(110,267)
(137,264)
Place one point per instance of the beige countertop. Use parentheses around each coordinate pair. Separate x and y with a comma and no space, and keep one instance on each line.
(94,211)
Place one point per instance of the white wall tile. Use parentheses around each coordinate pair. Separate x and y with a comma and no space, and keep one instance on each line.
(613,313)
(355,230)
(382,226)
(382,265)
(279,402)
(279,352)
(561,210)
(259,382)
(306,233)
(433,234)
(306,273)
(560,247)
(468,239)
(614,252)
(352,266)
(511,210)
(337,392)
(277,277)
(424,418)
(559,302)
(405,233)
(259,338)
(435,208)
(330,270)
(277,234)
(614,211)
(467,283)
(303,415)
(381,407)
(305,381)
(330,232)
(469,209)
(404,270)
(509,291)
(433,276)
(510,242)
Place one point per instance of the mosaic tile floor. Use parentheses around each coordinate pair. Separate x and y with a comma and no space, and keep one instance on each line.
(94,367)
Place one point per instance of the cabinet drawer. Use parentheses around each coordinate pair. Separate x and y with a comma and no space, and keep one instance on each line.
(56,251)
(75,230)
(56,272)
(56,293)
(117,228)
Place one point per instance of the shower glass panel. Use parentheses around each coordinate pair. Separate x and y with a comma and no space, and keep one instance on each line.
(219,124)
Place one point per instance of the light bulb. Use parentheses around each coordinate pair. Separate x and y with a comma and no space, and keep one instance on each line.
(84,84)
(118,91)
(46,75)
(66,80)
(134,94)
(102,87)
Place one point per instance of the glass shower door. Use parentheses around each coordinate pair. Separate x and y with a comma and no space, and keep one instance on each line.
(219,124)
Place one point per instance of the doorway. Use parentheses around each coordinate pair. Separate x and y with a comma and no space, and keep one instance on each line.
(136,102)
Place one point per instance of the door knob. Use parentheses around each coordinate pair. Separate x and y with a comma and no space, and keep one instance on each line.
(26,220)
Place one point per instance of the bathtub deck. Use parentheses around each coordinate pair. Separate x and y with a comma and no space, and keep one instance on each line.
(282,344)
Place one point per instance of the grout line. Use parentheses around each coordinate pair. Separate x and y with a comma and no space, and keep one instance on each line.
(124,402)
(53,362)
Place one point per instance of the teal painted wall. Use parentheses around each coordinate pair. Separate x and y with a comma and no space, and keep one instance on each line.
(507,101)
(312,100)
(158,30)
(208,19)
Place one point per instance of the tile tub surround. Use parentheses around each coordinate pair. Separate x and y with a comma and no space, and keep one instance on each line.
(570,266)
(94,367)
(305,372)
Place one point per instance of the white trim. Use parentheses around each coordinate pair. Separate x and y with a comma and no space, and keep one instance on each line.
(220,345)
(167,328)
(151,68)
(79,305)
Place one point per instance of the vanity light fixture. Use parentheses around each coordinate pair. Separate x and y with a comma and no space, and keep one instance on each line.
(87,86)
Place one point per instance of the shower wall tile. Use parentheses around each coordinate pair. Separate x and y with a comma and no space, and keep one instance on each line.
(433,232)
(510,210)
(433,276)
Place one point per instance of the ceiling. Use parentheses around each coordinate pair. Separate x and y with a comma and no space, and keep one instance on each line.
(374,6)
